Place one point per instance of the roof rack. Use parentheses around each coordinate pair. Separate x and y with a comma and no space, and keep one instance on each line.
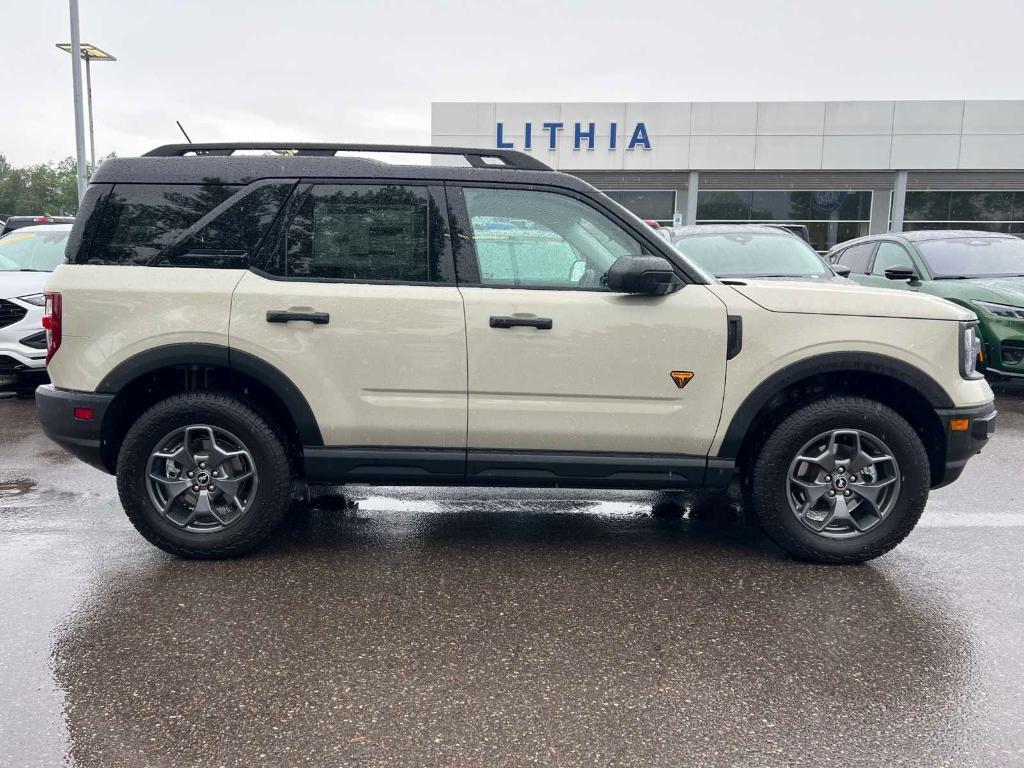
(478,158)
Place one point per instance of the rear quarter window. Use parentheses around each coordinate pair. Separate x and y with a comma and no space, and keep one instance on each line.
(208,225)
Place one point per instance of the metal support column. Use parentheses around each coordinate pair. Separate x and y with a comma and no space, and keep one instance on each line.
(692,190)
(899,199)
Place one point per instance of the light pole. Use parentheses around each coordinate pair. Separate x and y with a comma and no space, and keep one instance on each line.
(76,83)
(90,53)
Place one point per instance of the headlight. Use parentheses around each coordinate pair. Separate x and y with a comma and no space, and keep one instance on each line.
(1000,310)
(36,298)
(970,349)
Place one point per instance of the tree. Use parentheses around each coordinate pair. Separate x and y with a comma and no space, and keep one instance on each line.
(45,188)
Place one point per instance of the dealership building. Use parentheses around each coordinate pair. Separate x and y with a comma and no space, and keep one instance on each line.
(843,168)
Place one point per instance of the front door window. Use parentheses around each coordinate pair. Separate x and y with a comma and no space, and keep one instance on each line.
(531,239)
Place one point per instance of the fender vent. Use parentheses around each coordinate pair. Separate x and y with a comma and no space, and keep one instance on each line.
(735,338)
(10,313)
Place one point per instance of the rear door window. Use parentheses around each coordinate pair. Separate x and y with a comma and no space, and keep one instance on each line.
(367,233)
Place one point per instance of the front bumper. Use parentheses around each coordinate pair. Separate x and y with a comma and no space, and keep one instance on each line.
(962,444)
(84,438)
(20,375)
(1003,341)
(23,352)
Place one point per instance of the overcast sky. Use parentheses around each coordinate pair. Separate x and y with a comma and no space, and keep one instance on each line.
(337,70)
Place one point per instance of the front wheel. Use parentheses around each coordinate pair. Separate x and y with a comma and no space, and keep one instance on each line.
(841,480)
(202,475)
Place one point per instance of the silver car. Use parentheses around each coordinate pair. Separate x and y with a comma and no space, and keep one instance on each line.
(27,257)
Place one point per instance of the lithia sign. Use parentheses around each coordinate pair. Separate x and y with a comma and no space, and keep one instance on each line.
(584,135)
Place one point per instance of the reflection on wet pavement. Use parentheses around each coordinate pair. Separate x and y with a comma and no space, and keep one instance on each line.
(483,628)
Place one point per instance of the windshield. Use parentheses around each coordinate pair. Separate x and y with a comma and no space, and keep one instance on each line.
(973,256)
(744,254)
(40,250)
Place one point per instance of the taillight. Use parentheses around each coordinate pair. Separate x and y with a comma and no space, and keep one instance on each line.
(52,323)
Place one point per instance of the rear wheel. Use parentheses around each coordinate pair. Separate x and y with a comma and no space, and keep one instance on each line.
(842,480)
(202,475)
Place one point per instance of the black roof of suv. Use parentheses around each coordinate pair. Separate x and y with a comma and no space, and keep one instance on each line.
(199,163)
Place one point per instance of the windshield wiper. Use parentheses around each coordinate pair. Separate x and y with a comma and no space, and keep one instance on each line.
(788,277)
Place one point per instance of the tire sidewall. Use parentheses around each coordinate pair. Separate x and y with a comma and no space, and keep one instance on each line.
(771,479)
(268,457)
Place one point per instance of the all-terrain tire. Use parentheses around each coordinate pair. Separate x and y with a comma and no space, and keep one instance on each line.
(269,457)
(769,483)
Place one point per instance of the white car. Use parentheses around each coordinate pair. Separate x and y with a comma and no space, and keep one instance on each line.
(27,257)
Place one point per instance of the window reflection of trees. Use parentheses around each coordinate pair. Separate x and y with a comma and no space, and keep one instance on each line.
(139,221)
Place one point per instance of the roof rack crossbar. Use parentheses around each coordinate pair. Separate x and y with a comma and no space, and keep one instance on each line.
(478,158)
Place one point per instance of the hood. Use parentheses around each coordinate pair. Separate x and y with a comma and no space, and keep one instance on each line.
(848,299)
(14,284)
(1003,290)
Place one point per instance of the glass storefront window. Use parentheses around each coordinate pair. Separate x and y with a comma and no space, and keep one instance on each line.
(656,204)
(994,211)
(830,216)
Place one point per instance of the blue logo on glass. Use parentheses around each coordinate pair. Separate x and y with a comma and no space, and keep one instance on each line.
(582,134)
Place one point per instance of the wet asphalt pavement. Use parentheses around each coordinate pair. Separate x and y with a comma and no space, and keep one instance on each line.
(506,628)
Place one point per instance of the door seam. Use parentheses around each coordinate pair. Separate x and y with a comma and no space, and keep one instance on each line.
(465,339)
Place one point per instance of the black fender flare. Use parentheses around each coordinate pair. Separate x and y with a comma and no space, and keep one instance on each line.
(830,362)
(222,357)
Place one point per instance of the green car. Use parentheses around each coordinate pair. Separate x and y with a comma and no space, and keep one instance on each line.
(982,271)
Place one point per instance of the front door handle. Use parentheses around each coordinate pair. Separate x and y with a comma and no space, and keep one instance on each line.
(283,316)
(540,323)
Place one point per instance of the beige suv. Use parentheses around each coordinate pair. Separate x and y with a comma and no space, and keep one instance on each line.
(232,326)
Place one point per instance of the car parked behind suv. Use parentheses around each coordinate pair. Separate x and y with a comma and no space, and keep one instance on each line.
(981,271)
(27,257)
(740,251)
(231,327)
(17,222)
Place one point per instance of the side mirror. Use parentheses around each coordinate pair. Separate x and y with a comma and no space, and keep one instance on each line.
(841,269)
(900,273)
(652,275)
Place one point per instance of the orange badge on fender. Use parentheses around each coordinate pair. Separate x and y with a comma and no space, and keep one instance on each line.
(681,378)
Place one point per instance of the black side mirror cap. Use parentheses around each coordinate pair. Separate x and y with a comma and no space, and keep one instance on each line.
(841,269)
(900,272)
(651,275)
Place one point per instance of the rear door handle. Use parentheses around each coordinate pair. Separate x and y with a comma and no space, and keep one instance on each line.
(540,323)
(282,316)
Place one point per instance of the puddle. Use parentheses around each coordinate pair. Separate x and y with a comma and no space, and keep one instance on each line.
(15,488)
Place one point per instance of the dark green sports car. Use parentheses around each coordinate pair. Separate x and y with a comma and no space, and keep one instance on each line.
(982,271)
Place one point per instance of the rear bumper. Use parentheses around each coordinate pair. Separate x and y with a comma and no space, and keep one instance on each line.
(82,438)
(962,444)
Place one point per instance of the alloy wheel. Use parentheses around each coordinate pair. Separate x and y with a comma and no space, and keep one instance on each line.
(843,483)
(201,478)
